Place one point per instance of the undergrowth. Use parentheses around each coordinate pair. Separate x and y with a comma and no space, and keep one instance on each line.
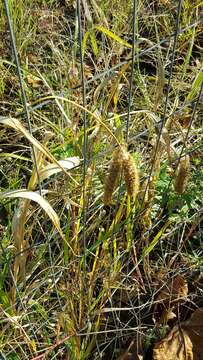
(80,275)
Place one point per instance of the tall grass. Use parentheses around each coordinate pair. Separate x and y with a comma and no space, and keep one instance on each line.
(84,256)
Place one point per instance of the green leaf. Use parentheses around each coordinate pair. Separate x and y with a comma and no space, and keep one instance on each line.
(147,250)
(200,4)
(112,35)
(84,42)
(94,43)
(5,303)
(195,86)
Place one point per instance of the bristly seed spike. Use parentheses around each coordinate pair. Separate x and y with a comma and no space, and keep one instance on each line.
(131,174)
(183,175)
(113,176)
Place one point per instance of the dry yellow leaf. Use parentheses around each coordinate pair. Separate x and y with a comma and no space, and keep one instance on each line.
(51,169)
(16,124)
(184,342)
(34,81)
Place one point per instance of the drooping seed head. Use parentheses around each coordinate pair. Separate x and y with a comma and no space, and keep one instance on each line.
(183,175)
(131,174)
(113,176)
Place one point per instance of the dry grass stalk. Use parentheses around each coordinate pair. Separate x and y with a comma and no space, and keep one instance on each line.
(113,176)
(131,174)
(182,175)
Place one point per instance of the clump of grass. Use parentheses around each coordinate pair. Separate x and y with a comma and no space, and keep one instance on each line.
(77,286)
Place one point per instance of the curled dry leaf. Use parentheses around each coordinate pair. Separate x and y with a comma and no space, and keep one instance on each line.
(52,169)
(184,342)
(166,315)
(16,124)
(34,196)
(34,81)
(168,298)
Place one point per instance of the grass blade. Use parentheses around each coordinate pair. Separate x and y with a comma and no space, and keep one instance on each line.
(112,35)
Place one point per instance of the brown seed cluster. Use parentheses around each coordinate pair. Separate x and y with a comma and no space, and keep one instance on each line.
(131,174)
(182,175)
(113,176)
(122,160)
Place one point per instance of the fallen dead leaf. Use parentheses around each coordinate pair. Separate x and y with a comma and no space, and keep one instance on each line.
(168,298)
(34,81)
(184,342)
(166,315)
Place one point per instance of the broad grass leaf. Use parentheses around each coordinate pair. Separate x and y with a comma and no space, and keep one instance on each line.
(184,342)
(112,35)
(52,169)
(18,231)
(34,196)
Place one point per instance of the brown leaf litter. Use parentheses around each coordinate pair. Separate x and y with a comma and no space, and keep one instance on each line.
(168,298)
(184,342)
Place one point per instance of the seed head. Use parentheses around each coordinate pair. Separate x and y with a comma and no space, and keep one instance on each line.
(113,176)
(131,174)
(182,175)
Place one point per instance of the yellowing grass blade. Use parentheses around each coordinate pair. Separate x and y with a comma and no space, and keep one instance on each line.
(200,4)
(94,43)
(52,169)
(148,249)
(34,196)
(113,36)
(84,42)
